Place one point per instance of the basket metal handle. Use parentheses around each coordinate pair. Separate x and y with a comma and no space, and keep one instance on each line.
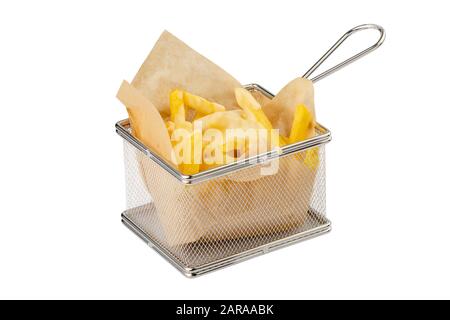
(349,60)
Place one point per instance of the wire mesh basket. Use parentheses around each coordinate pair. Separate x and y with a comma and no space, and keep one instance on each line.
(220,216)
(227,214)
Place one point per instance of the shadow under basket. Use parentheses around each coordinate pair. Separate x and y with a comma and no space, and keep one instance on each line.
(225,215)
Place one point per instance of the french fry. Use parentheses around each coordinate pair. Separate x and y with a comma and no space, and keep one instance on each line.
(198,115)
(187,165)
(312,158)
(177,110)
(302,125)
(191,167)
(251,107)
(281,109)
(223,120)
(185,125)
(170,125)
(225,152)
(302,128)
(283,140)
(200,104)
(186,141)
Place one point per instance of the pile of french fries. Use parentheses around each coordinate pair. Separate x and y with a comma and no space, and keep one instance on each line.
(200,131)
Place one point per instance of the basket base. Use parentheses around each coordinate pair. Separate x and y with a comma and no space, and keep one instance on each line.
(128,218)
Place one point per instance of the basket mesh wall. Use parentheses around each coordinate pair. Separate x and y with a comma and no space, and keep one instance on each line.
(208,221)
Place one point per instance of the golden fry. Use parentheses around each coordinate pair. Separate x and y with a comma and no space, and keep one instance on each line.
(177,110)
(200,104)
(312,158)
(302,125)
(251,107)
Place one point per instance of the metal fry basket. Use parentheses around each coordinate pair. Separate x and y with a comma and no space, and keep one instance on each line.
(225,215)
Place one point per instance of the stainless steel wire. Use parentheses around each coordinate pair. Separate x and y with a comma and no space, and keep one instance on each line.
(338,43)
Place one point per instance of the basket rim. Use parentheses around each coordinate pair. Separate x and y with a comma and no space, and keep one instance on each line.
(324,136)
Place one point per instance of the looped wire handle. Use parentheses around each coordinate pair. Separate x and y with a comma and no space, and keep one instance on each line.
(349,60)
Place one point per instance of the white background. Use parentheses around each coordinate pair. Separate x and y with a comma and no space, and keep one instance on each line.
(61,172)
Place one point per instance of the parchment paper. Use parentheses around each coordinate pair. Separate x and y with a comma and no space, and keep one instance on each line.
(146,122)
(173,65)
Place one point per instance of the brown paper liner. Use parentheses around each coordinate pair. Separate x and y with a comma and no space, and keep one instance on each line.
(224,209)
